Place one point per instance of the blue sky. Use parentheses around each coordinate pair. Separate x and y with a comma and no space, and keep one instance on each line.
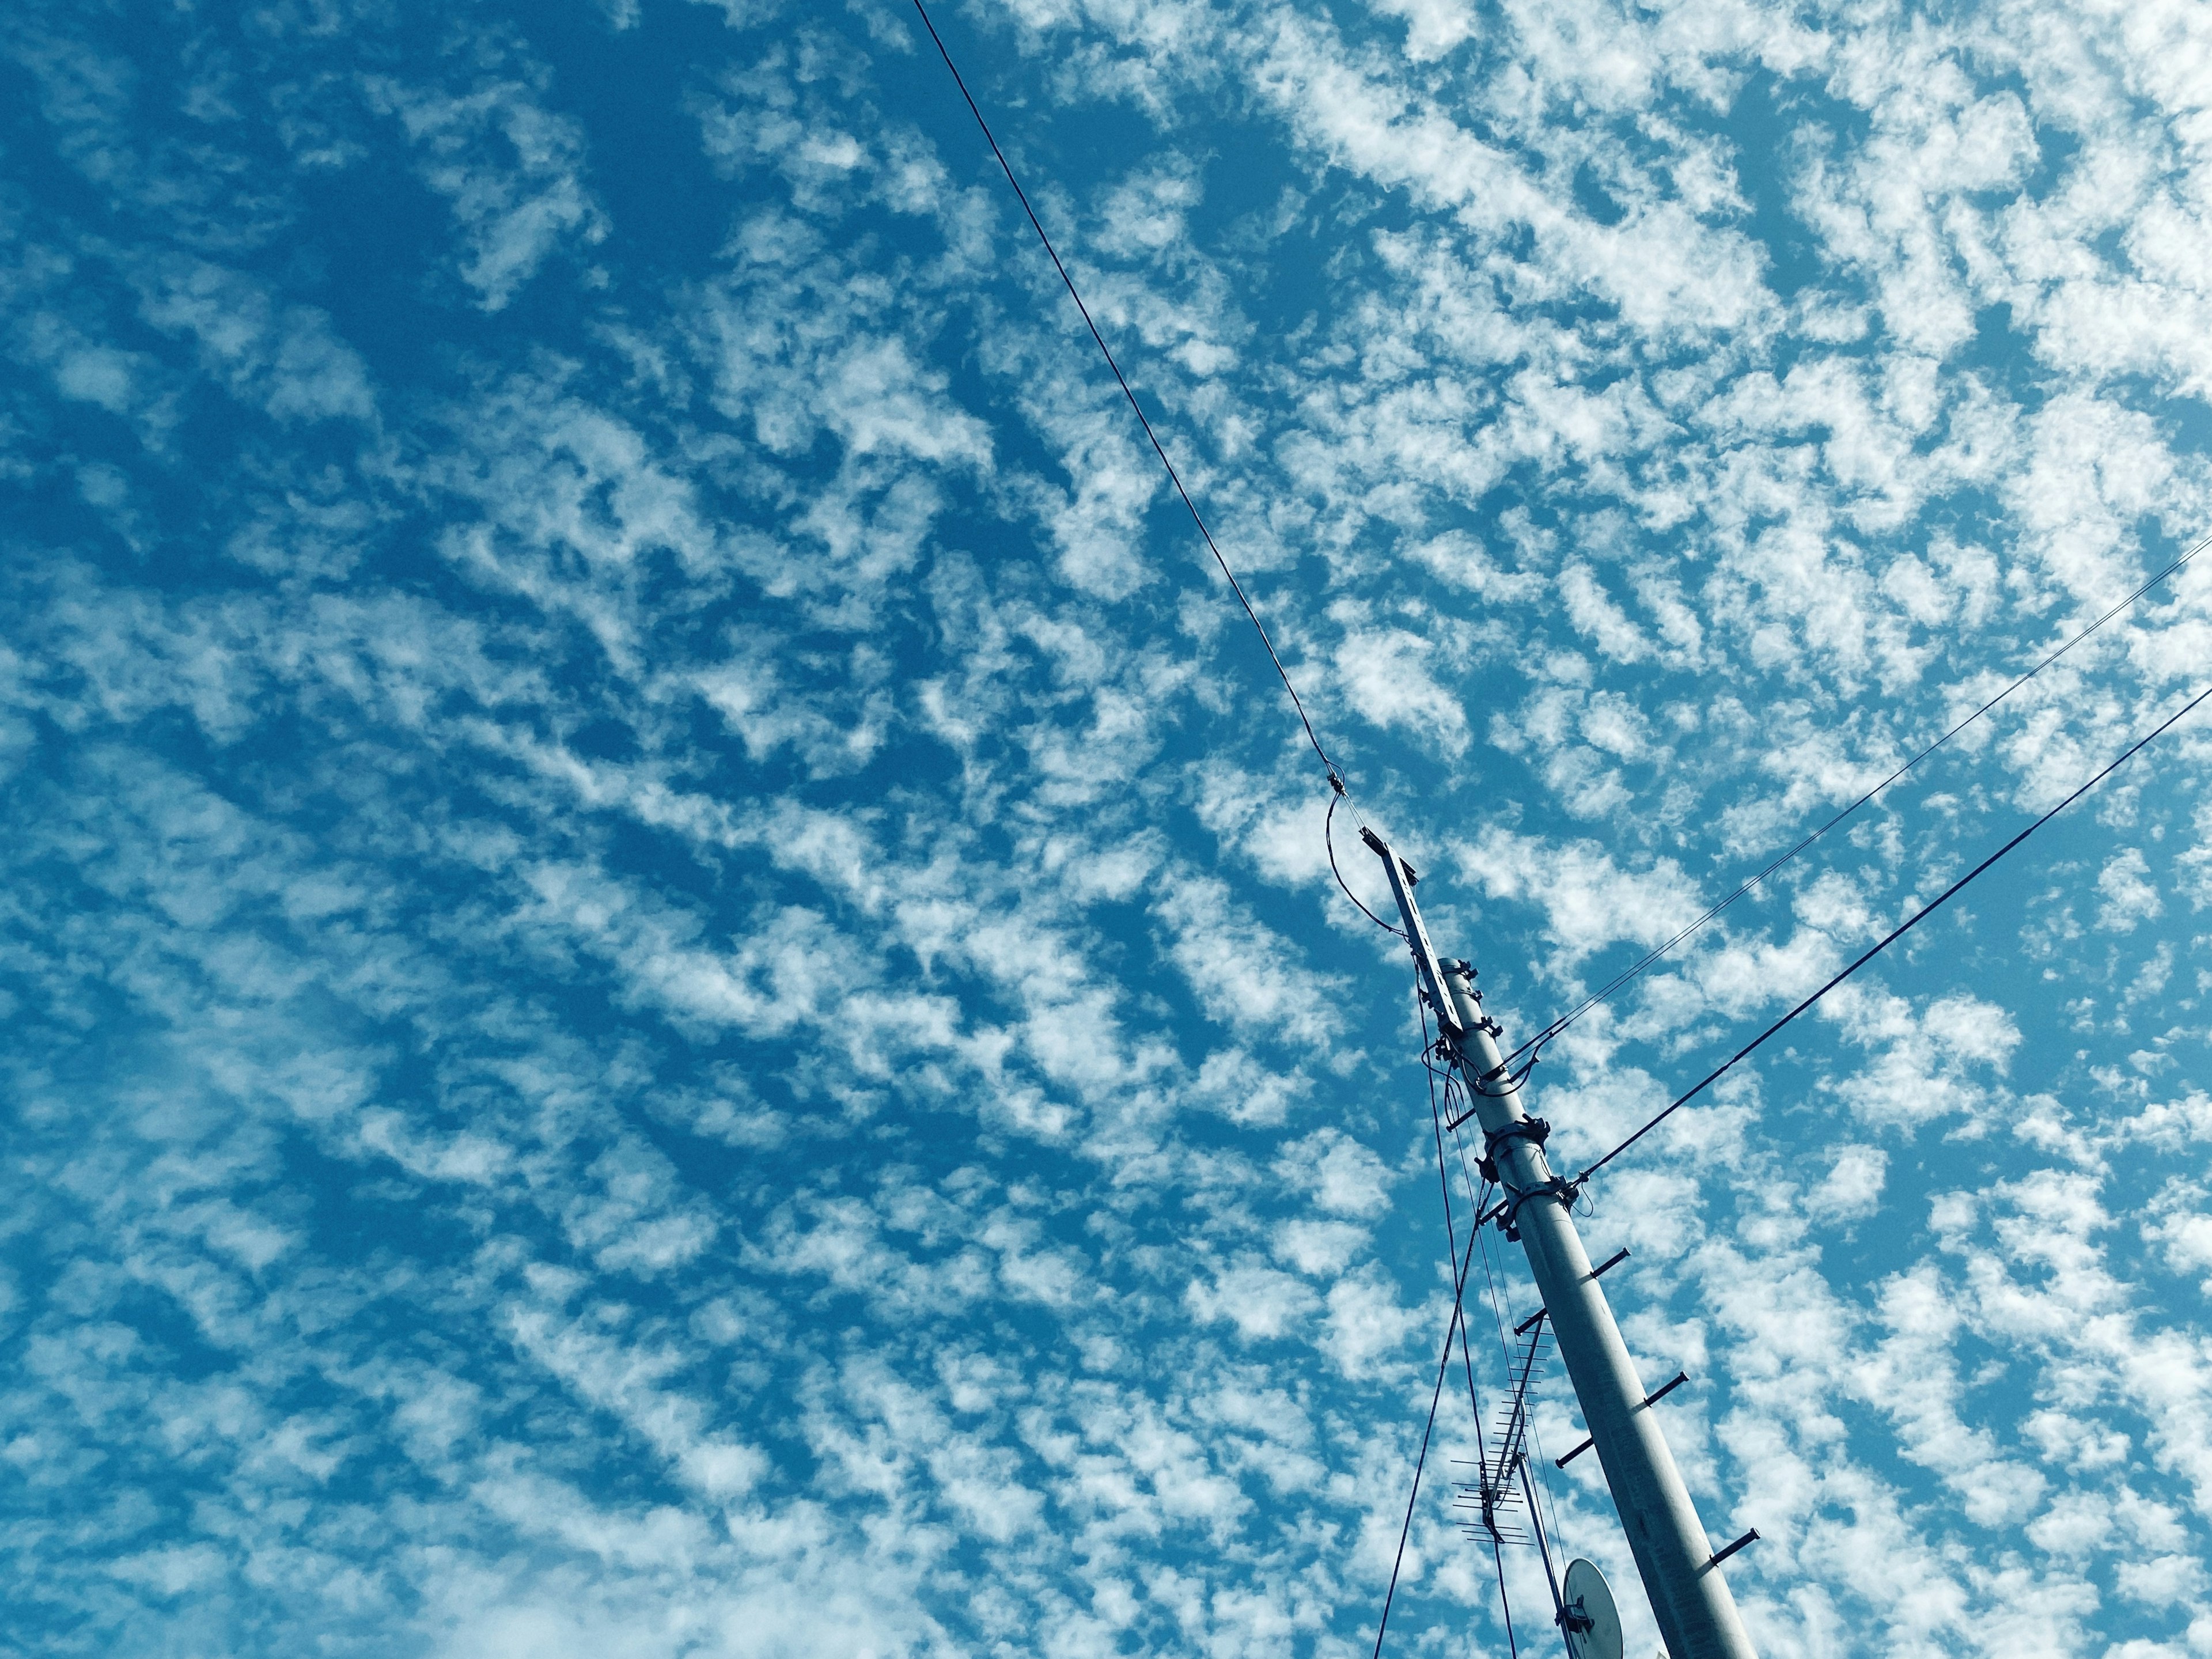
(671,983)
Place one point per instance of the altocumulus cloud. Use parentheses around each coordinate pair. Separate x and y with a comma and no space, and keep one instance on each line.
(669,986)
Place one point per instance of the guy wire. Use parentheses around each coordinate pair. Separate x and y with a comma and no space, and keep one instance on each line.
(1621,979)
(1335,777)
(1893,936)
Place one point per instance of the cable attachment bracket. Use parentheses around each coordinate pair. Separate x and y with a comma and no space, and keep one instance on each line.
(1534,1130)
(1557,1186)
(1501,1081)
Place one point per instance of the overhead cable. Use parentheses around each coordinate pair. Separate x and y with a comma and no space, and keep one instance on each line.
(1335,777)
(1620,980)
(1443,1368)
(1894,935)
(1459,1314)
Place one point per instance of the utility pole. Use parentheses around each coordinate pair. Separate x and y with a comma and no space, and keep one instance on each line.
(1681,1576)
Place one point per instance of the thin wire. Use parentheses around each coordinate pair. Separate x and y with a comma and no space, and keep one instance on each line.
(1496,1312)
(1328,840)
(1173,477)
(1467,1358)
(1543,1546)
(1544,1470)
(1507,1352)
(1466,1354)
(1623,978)
(1443,1179)
(1443,1368)
(1498,1556)
(1896,934)
(1479,1206)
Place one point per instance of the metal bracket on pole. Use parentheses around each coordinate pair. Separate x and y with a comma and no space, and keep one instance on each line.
(1425,954)
(1721,1555)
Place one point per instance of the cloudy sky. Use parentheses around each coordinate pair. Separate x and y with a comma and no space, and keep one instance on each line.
(670,979)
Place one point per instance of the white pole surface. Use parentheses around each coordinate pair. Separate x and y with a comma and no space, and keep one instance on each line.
(1697,1615)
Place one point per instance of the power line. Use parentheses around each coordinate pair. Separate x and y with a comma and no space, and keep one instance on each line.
(1335,778)
(1620,980)
(1895,934)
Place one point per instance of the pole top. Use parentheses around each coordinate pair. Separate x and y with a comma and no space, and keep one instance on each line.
(1432,971)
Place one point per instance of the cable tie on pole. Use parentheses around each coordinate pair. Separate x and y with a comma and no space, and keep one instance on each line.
(1534,1130)
(1557,1186)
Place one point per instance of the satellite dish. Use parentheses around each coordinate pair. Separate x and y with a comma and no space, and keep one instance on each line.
(1593,1622)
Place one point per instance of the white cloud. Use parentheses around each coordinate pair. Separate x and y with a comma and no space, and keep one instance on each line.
(671,983)
(512,171)
(1433,27)
(2130,898)
(288,360)
(1344,1177)
(1853,1187)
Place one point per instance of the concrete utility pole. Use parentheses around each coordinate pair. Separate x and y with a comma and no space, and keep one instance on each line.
(1689,1598)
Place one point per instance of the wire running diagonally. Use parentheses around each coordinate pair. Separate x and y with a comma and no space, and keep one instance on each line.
(1335,777)
(1621,979)
(1894,935)
(1443,1179)
(1478,1202)
(1443,1369)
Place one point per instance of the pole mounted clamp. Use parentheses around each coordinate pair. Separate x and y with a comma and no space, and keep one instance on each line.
(1460,967)
(1506,1080)
(1534,1130)
(1557,1186)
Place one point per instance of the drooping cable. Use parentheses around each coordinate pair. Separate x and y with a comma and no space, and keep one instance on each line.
(1505,1354)
(1437,1123)
(1620,980)
(1467,1358)
(1543,1546)
(1105,350)
(1893,936)
(1443,1179)
(1482,1214)
(1328,840)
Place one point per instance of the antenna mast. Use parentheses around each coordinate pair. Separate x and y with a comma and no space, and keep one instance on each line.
(1680,1571)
